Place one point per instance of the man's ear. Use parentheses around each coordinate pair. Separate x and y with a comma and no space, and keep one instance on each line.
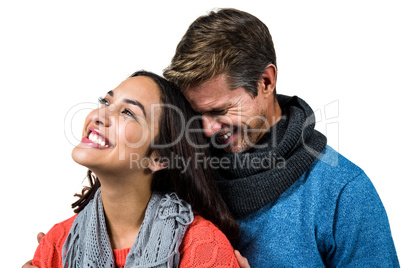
(268,80)
(155,163)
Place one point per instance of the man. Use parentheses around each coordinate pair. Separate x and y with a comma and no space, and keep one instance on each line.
(298,202)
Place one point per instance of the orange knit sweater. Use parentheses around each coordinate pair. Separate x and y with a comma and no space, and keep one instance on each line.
(203,245)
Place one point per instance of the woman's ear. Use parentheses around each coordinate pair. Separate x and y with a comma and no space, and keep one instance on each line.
(155,163)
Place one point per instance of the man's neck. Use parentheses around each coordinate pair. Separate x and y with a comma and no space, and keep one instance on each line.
(275,113)
(273,116)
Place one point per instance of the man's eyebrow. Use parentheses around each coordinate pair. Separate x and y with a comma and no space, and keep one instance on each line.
(134,102)
(219,109)
(110,93)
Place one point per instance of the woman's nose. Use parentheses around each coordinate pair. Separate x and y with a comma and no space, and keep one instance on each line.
(102,117)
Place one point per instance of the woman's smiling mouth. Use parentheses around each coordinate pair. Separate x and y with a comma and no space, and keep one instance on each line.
(96,139)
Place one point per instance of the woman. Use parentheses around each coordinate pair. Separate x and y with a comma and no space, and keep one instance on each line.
(150,204)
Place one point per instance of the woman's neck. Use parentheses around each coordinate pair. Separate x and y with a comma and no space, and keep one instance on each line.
(125,201)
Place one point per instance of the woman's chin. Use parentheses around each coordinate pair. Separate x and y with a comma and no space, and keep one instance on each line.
(80,156)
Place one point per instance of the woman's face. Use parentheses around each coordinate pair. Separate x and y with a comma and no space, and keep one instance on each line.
(117,136)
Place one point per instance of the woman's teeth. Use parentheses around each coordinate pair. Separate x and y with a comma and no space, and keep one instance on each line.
(95,138)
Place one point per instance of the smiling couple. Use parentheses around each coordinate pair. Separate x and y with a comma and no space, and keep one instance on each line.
(315,208)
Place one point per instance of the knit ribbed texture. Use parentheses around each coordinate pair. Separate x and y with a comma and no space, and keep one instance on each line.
(256,177)
(203,245)
(48,252)
(157,243)
(120,256)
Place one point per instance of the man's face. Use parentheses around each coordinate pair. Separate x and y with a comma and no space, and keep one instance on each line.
(234,119)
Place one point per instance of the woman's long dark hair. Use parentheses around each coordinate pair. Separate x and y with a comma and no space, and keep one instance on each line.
(194,184)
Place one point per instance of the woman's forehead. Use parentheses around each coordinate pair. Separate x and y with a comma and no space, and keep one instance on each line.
(139,88)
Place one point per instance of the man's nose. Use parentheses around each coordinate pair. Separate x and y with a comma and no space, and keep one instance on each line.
(210,125)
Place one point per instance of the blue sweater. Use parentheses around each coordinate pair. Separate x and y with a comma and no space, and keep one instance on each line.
(332,216)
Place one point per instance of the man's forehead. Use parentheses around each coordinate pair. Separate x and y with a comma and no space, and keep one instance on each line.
(218,81)
(203,103)
(214,94)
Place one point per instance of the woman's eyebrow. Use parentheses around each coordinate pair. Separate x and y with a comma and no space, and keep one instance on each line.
(133,102)
(137,103)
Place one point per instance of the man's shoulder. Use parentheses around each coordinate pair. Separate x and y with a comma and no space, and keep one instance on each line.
(334,167)
(330,174)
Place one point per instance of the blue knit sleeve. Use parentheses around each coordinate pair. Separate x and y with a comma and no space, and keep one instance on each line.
(361,230)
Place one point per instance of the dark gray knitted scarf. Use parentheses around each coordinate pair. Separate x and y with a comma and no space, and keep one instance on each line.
(157,243)
(256,177)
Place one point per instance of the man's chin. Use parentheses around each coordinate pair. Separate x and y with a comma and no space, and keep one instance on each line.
(236,145)
(237,148)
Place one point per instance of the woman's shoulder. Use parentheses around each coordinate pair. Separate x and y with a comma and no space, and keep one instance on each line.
(205,245)
(48,252)
(60,230)
(203,226)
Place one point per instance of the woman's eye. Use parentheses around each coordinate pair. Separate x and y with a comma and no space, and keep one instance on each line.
(129,113)
(103,101)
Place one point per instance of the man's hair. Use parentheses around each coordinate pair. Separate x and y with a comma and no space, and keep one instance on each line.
(230,42)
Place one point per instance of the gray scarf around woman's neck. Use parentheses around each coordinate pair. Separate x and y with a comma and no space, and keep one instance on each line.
(157,243)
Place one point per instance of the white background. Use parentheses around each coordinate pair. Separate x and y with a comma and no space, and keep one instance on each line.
(343,57)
